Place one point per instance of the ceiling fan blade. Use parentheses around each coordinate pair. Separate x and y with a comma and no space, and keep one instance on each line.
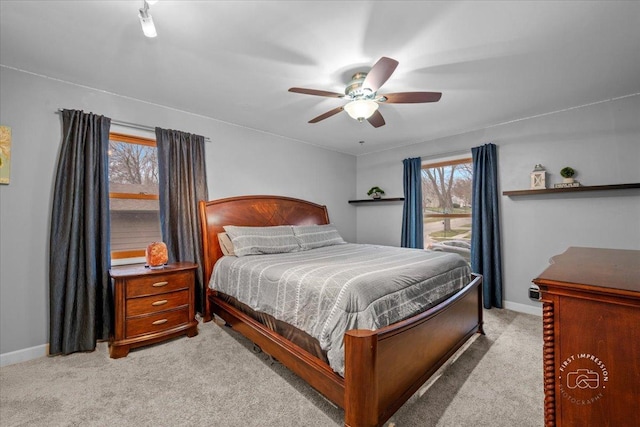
(411,97)
(316,92)
(379,73)
(326,115)
(376,119)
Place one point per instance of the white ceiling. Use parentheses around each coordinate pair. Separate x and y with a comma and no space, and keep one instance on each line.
(233,61)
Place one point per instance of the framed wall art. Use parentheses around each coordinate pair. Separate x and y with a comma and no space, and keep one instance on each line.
(5,154)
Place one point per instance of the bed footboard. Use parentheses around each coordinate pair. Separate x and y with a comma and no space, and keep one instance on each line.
(384,368)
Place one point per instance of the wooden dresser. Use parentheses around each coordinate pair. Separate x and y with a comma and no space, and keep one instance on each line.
(152,305)
(591,318)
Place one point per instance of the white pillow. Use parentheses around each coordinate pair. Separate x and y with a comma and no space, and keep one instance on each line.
(225,244)
(317,236)
(262,240)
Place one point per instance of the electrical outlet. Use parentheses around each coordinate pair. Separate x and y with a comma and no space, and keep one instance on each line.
(534,293)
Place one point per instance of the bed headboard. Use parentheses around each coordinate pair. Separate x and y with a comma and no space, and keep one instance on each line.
(256,211)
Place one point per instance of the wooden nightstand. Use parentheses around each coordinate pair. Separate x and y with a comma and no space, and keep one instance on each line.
(152,305)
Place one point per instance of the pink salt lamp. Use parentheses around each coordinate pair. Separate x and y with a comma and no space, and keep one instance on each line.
(157,255)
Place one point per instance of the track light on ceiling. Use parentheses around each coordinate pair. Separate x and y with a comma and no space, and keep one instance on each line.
(148,27)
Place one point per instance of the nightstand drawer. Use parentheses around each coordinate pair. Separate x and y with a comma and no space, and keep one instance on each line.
(158,322)
(155,303)
(157,284)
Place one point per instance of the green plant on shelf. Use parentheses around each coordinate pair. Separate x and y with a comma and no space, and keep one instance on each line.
(567,172)
(375,192)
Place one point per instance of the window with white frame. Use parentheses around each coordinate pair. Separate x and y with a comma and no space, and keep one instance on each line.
(133,196)
(446,205)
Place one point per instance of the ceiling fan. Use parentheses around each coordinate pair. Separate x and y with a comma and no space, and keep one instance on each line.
(361,92)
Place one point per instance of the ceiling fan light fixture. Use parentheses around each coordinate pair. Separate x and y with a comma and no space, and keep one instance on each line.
(148,27)
(362,92)
(361,109)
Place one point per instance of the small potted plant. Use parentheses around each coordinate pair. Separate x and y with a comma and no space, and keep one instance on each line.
(375,192)
(567,174)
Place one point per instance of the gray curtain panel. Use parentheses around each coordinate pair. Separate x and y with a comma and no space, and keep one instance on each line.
(486,255)
(79,257)
(183,183)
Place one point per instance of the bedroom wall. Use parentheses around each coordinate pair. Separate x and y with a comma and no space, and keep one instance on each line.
(601,141)
(239,161)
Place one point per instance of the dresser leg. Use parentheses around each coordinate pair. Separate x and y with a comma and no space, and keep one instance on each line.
(118,351)
(192,332)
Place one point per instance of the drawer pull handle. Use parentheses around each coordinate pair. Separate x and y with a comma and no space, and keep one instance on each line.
(160,322)
(160,284)
(161,302)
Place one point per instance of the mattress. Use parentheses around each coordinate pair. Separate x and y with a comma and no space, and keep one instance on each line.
(329,290)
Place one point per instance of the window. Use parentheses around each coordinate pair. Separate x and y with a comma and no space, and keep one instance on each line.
(133,195)
(446,206)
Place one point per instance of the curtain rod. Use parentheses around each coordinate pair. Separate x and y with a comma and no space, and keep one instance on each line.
(449,154)
(134,125)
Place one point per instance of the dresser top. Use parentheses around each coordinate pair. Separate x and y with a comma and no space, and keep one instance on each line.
(142,270)
(615,269)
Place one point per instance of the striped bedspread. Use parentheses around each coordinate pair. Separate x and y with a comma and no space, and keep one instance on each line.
(329,290)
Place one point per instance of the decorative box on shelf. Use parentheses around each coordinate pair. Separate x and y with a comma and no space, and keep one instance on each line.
(566,184)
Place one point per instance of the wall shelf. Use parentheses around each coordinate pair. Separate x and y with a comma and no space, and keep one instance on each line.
(572,189)
(390,199)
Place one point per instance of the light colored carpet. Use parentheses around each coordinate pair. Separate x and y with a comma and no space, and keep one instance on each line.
(216,379)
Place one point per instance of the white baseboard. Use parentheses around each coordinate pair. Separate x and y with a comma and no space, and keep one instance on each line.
(23,355)
(523,308)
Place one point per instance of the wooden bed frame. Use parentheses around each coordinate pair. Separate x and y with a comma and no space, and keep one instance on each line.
(383,368)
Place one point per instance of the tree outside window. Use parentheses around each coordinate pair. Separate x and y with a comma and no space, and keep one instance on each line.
(446,205)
